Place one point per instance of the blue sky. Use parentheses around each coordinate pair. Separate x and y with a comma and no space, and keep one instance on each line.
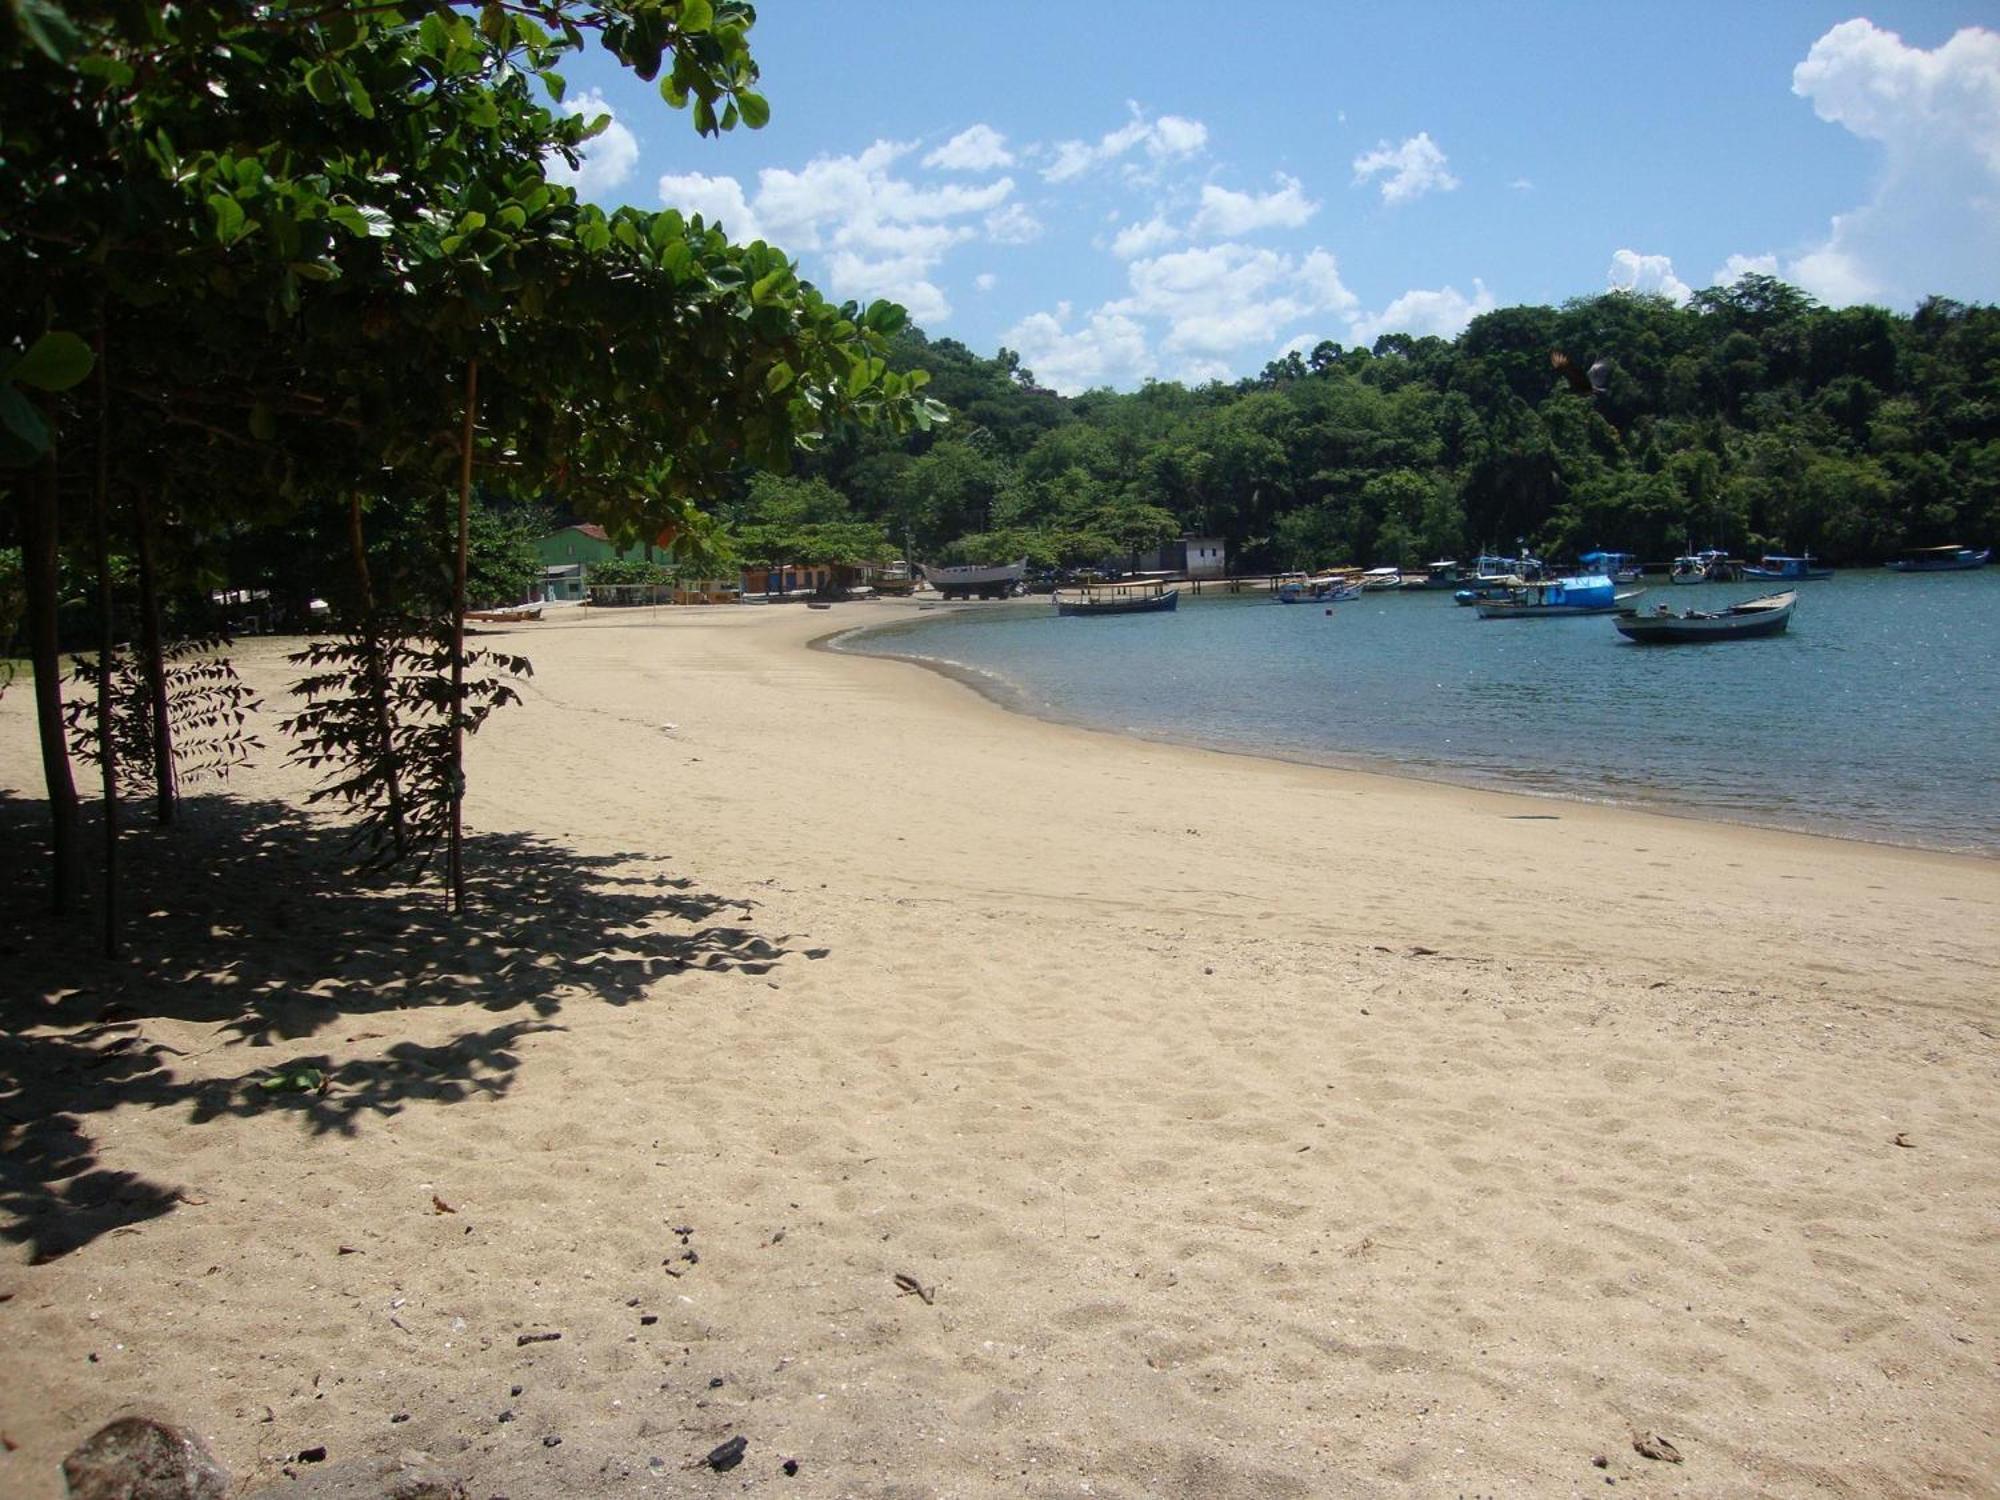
(1134,190)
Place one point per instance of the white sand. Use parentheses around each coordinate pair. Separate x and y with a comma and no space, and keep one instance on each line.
(1264,1130)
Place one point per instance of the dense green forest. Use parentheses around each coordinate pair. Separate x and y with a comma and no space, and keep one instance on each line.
(1750,419)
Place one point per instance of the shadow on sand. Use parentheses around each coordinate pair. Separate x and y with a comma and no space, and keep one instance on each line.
(245,918)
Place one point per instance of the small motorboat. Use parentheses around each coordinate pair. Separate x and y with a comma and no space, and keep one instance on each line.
(1140,598)
(1620,567)
(1376,579)
(1326,588)
(1701,567)
(1948,559)
(1772,568)
(1738,622)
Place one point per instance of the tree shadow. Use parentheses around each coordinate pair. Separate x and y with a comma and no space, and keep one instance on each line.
(246,918)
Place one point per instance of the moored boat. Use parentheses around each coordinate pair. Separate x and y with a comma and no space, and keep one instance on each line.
(1150,597)
(1324,588)
(1376,579)
(988,581)
(1951,558)
(1585,594)
(1620,567)
(1701,567)
(1773,567)
(1737,622)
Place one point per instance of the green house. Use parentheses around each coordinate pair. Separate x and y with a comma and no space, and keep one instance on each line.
(566,558)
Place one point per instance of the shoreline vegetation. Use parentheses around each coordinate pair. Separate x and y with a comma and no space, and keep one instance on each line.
(1441,1170)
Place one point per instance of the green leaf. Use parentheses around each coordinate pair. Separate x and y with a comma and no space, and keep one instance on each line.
(47,26)
(555,83)
(778,377)
(54,362)
(107,70)
(19,417)
(696,16)
(755,108)
(357,95)
(228,216)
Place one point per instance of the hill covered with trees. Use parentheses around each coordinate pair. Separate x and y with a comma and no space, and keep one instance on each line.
(1751,419)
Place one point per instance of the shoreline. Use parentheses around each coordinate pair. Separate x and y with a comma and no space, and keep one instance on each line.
(1012,698)
(1257,1129)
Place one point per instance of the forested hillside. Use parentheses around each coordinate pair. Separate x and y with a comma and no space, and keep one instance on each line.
(1750,419)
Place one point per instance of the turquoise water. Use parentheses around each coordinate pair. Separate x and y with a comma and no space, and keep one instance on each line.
(1876,716)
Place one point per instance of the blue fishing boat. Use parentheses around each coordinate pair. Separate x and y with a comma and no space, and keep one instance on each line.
(1585,594)
(1326,588)
(1493,576)
(1787,569)
(1948,559)
(1143,597)
(1619,567)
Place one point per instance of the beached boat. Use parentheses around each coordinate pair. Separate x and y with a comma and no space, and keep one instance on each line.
(1947,559)
(988,581)
(1585,594)
(1774,568)
(1376,579)
(1619,567)
(510,616)
(1143,598)
(1737,622)
(1446,573)
(1324,588)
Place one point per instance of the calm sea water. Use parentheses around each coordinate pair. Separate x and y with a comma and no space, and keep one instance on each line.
(1877,716)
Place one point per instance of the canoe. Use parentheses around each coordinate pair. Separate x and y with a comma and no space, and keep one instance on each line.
(1739,622)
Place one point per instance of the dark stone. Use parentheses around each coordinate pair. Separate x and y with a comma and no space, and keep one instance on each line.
(790,1466)
(728,1455)
(551,1441)
(313,1455)
(138,1458)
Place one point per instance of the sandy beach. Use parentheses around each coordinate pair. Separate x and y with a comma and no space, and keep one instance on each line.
(1247,1129)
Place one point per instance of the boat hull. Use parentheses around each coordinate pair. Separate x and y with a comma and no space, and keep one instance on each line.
(988,582)
(1149,604)
(1965,562)
(1748,621)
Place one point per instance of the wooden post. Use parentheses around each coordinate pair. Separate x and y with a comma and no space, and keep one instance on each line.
(40,543)
(107,631)
(165,794)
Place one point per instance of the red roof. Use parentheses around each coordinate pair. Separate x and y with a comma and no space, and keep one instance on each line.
(594,532)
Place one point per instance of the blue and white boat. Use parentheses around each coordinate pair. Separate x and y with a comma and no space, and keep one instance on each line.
(1947,559)
(1787,569)
(1584,594)
(1620,567)
(1494,575)
(1326,588)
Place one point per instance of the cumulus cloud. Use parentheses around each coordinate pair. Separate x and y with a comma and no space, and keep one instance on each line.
(1739,266)
(1934,217)
(1106,348)
(980,148)
(1168,138)
(1221,299)
(882,233)
(1633,272)
(1144,238)
(605,160)
(1407,171)
(1443,312)
(1225,214)
(986,281)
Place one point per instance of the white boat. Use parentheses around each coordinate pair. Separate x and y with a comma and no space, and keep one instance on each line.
(1381,578)
(1326,588)
(1701,567)
(988,581)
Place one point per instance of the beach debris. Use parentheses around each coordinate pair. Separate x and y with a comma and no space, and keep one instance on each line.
(298,1078)
(439,1206)
(777,1238)
(143,1456)
(1652,1445)
(349,1250)
(647,1320)
(536,1338)
(552,1440)
(790,1466)
(514,1390)
(726,1456)
(909,1286)
(1600,1462)
(313,1455)
(1903,1139)
(1418,950)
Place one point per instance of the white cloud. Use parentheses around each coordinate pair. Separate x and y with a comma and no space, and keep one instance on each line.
(1012,224)
(607,158)
(1738,266)
(1107,348)
(977,149)
(1522,185)
(719,200)
(883,234)
(1443,312)
(1166,139)
(986,281)
(1142,239)
(1226,214)
(1408,171)
(1220,299)
(1633,272)
(1934,217)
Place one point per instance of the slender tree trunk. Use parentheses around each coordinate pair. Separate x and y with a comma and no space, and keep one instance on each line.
(107,643)
(165,791)
(456,858)
(40,533)
(377,673)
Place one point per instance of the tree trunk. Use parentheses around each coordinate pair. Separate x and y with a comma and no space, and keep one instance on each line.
(107,643)
(455,859)
(40,539)
(377,670)
(165,792)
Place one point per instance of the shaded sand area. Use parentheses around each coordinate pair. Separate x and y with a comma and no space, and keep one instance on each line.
(1252,1129)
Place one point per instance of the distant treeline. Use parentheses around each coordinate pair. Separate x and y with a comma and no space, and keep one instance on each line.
(1750,419)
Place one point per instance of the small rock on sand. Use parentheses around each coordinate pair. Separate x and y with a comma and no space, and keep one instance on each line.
(140,1458)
